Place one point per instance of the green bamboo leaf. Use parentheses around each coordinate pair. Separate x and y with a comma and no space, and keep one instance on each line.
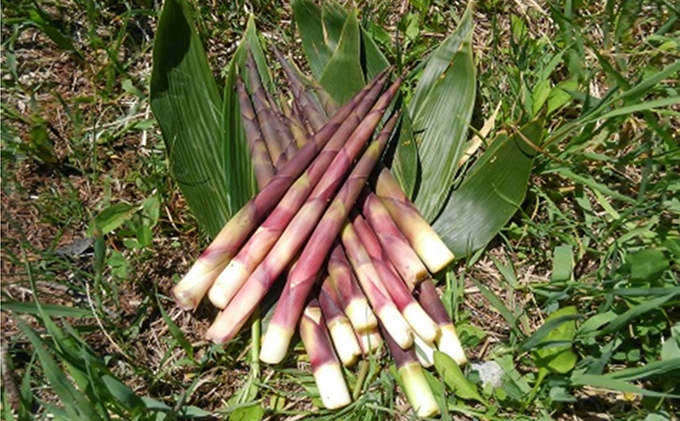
(187,105)
(441,59)
(310,25)
(333,17)
(490,193)
(441,111)
(373,60)
(343,76)
(405,162)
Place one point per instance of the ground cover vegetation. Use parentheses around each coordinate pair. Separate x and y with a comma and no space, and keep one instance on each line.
(573,304)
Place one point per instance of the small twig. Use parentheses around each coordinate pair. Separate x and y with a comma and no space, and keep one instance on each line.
(101,325)
(476,140)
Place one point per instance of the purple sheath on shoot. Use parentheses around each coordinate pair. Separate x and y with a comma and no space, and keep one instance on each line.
(310,107)
(325,366)
(447,341)
(302,277)
(416,388)
(262,164)
(194,285)
(375,291)
(417,318)
(316,185)
(234,316)
(346,344)
(397,247)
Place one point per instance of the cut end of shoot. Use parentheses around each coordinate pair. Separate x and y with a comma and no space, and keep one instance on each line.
(275,344)
(433,252)
(417,390)
(449,344)
(344,341)
(396,326)
(227,284)
(332,386)
(360,315)
(420,322)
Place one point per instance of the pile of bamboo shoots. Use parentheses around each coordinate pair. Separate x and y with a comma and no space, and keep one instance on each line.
(331,222)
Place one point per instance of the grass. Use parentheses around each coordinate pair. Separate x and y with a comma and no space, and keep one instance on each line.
(576,300)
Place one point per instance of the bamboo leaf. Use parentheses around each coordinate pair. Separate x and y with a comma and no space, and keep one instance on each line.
(372,59)
(441,111)
(333,17)
(405,162)
(310,25)
(187,105)
(205,143)
(320,30)
(343,76)
(440,60)
(490,193)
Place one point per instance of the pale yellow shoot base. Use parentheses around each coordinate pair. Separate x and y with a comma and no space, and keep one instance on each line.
(370,341)
(275,344)
(420,322)
(449,344)
(332,386)
(345,342)
(360,315)
(227,284)
(396,326)
(433,252)
(417,390)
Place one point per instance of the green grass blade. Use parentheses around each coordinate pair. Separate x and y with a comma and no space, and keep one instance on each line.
(638,310)
(52,310)
(491,193)
(343,77)
(655,368)
(643,106)
(606,382)
(405,161)
(441,113)
(500,307)
(75,402)
(187,104)
(175,331)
